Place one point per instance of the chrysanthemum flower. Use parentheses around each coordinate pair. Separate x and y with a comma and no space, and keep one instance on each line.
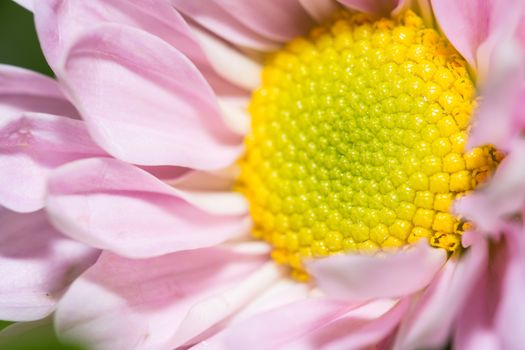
(280,174)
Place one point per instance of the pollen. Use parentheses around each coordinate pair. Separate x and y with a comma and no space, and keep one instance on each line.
(357,141)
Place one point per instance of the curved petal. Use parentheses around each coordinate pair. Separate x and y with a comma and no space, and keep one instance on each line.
(36,265)
(279,20)
(217,20)
(61,22)
(116,206)
(144,304)
(313,323)
(381,7)
(320,10)
(500,118)
(22,90)
(442,301)
(145,102)
(31,145)
(367,277)
(475,327)
(503,195)
(473,23)
(511,309)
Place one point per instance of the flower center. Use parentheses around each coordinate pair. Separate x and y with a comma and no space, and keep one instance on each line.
(357,141)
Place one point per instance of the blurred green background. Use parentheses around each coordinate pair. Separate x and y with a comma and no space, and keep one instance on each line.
(19,47)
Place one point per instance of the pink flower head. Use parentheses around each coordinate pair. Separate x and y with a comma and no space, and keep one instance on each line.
(130,207)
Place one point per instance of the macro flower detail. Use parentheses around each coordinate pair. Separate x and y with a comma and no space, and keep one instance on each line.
(279,174)
(358,140)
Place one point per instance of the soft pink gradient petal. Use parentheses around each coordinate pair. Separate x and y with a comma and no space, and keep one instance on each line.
(217,20)
(60,22)
(500,118)
(442,301)
(382,7)
(320,10)
(36,265)
(24,91)
(153,303)
(471,24)
(362,328)
(31,145)
(145,102)
(313,323)
(279,20)
(510,316)
(367,277)
(116,206)
(503,195)
(475,327)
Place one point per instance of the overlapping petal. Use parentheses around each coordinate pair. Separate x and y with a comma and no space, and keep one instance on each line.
(36,264)
(159,303)
(31,146)
(25,91)
(116,206)
(367,277)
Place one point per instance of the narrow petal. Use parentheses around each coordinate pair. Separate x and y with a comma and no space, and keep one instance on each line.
(217,20)
(442,301)
(320,10)
(116,206)
(31,145)
(142,304)
(36,265)
(313,323)
(503,195)
(22,90)
(511,310)
(229,63)
(380,7)
(500,118)
(474,328)
(279,20)
(367,277)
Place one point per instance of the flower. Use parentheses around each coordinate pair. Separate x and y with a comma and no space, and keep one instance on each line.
(133,152)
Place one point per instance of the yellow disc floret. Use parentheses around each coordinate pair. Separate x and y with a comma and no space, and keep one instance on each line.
(357,140)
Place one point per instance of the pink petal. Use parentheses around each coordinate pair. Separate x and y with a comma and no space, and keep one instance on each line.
(143,304)
(442,301)
(500,118)
(279,20)
(60,22)
(367,277)
(115,206)
(312,324)
(475,327)
(510,316)
(502,196)
(469,24)
(25,91)
(36,265)
(216,19)
(383,7)
(278,328)
(320,10)
(31,145)
(145,103)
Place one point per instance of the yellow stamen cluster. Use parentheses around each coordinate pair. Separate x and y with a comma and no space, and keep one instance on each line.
(357,141)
